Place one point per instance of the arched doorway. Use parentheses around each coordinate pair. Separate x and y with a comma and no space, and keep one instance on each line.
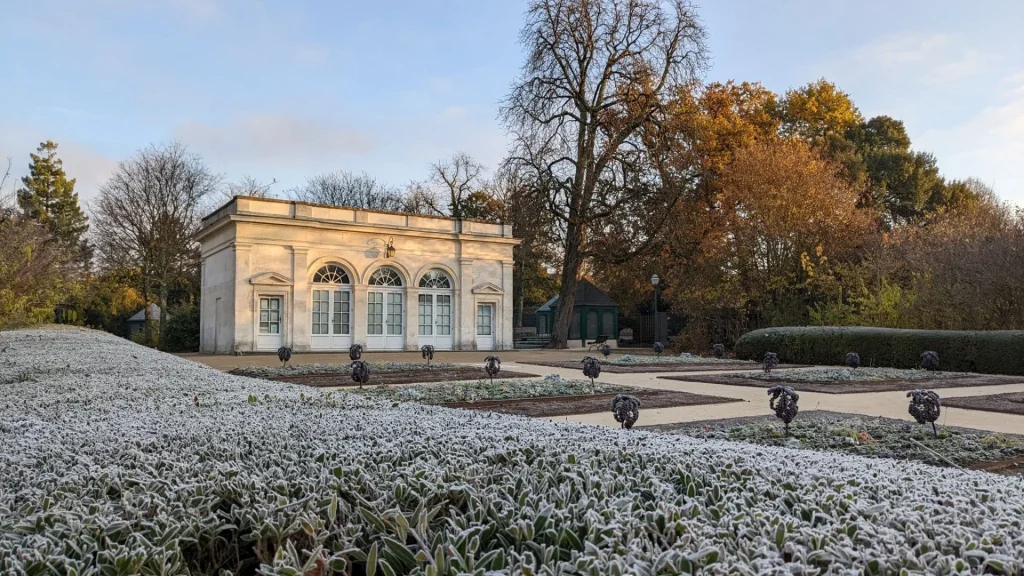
(385,311)
(331,309)
(435,310)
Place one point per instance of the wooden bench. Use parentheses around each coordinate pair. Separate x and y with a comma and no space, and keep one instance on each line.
(600,340)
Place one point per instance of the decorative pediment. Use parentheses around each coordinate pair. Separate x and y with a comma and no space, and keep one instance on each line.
(487,288)
(270,278)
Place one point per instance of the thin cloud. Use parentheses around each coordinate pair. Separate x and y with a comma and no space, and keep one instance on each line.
(989,144)
(934,59)
(281,138)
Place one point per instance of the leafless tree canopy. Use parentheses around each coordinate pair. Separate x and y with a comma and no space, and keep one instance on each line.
(249,186)
(595,78)
(148,213)
(344,188)
(453,180)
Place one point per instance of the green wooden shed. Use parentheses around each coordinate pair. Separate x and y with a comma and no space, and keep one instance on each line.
(595,314)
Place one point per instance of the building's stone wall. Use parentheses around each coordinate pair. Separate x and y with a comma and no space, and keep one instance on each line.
(255,247)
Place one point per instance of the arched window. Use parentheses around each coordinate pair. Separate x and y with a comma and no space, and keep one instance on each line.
(436,279)
(331,274)
(386,277)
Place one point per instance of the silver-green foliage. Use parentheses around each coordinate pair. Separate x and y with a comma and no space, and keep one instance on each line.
(107,467)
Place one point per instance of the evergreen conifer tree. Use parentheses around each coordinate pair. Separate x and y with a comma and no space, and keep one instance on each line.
(48,197)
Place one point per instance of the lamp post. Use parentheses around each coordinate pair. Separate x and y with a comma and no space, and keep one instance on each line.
(654,282)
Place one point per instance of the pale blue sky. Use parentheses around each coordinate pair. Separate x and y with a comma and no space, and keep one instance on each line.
(286,89)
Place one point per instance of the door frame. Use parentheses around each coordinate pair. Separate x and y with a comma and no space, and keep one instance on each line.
(347,338)
(285,312)
(450,345)
(383,337)
(494,324)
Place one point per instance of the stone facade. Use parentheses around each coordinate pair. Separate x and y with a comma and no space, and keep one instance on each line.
(313,277)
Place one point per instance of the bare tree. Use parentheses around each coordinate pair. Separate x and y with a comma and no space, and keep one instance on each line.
(147,215)
(596,74)
(249,186)
(344,188)
(453,180)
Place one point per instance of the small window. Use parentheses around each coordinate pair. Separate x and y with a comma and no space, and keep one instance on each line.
(436,279)
(331,274)
(386,277)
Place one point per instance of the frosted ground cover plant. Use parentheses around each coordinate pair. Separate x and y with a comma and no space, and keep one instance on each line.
(312,369)
(108,466)
(684,358)
(849,375)
(481,390)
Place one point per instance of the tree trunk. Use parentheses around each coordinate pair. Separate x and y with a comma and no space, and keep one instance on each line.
(517,289)
(567,294)
(147,323)
(163,314)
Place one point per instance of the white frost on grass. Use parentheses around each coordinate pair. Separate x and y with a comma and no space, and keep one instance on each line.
(484,390)
(116,459)
(850,375)
(683,358)
(315,368)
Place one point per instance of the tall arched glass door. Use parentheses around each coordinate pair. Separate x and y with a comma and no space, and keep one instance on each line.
(436,313)
(385,311)
(331,309)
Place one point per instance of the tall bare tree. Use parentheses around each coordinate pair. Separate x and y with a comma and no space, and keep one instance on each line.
(597,72)
(345,188)
(147,215)
(452,181)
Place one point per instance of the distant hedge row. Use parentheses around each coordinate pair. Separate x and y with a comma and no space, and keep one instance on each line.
(992,352)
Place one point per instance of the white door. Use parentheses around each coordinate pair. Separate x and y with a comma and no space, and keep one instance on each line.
(435,314)
(331,314)
(385,314)
(271,319)
(485,327)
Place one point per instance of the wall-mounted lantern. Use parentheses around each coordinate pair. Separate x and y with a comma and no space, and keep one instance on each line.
(389,251)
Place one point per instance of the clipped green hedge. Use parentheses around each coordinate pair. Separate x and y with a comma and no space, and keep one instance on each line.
(991,352)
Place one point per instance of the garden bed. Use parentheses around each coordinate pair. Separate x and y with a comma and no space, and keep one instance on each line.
(291,370)
(846,381)
(118,459)
(1009,403)
(398,377)
(549,406)
(868,436)
(545,397)
(646,367)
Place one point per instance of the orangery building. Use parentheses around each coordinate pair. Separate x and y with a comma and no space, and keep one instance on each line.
(321,278)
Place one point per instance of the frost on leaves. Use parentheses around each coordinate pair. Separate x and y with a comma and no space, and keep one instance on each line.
(106,467)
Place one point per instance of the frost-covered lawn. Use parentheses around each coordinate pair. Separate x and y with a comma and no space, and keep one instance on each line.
(470,391)
(865,436)
(684,358)
(121,460)
(311,369)
(849,375)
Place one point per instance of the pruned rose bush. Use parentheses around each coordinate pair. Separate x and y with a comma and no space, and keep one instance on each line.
(784,402)
(492,365)
(770,362)
(626,410)
(930,361)
(108,467)
(360,372)
(852,360)
(591,367)
(427,353)
(925,407)
(718,350)
(284,354)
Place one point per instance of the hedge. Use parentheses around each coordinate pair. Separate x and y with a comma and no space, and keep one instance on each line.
(991,352)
